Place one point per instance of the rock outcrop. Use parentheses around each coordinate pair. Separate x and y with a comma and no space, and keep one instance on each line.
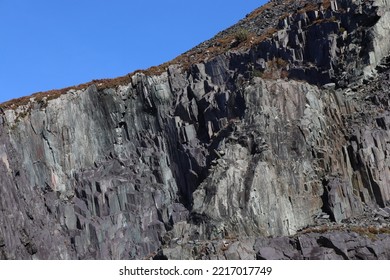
(335,245)
(236,155)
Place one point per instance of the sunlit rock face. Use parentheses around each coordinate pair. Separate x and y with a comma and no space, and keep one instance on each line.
(231,157)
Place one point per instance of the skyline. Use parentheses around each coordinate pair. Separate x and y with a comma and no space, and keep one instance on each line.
(51,45)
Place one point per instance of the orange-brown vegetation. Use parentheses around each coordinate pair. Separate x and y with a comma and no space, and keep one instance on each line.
(308,7)
(326,4)
(260,10)
(370,231)
(236,39)
(276,68)
(312,7)
(185,60)
(52,94)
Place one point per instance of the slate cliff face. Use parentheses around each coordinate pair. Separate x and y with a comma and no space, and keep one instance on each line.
(287,134)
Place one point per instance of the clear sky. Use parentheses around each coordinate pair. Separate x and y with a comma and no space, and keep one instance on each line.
(51,44)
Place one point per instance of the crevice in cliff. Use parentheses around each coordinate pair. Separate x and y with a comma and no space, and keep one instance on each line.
(44,137)
(33,128)
(123,126)
(248,179)
(376,190)
(326,208)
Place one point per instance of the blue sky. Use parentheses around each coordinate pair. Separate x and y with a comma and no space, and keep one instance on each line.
(51,44)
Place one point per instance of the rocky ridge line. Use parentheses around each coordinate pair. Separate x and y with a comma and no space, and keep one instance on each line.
(222,149)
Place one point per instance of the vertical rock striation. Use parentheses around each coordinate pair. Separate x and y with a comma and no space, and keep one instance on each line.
(254,142)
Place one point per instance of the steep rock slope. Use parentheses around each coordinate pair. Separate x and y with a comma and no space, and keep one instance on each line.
(242,138)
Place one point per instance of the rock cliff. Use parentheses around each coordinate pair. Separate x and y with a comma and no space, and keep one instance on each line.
(269,141)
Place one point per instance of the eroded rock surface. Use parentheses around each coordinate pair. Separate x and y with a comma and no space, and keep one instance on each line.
(230,158)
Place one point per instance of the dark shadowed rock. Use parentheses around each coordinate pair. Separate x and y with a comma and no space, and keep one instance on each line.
(274,147)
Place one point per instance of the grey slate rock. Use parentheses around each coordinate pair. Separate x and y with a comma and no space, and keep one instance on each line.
(218,160)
